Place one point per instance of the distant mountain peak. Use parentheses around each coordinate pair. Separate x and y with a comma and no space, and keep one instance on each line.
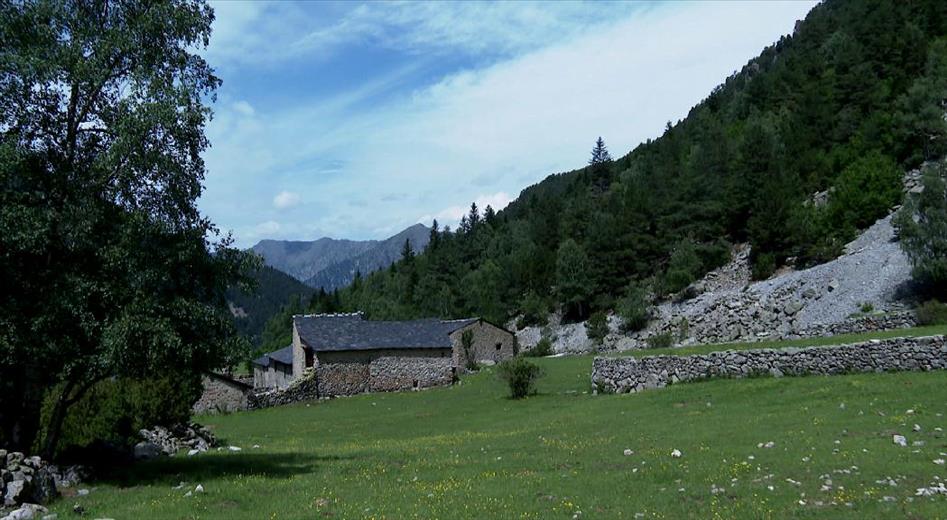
(331,263)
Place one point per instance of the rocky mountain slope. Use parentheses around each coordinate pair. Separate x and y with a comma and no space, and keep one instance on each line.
(332,263)
(865,288)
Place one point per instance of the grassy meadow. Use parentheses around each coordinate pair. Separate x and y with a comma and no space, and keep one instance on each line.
(469,452)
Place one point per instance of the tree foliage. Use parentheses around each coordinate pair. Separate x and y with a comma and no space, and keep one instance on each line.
(110,271)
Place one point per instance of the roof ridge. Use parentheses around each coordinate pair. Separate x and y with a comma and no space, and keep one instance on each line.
(331,315)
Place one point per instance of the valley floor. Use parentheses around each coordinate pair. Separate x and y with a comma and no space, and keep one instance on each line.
(469,452)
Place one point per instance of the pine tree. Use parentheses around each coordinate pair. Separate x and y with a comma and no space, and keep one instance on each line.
(407,253)
(435,237)
(600,166)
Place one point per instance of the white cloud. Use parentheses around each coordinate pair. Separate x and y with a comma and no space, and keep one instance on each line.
(286,199)
(267,228)
(451,216)
(244,108)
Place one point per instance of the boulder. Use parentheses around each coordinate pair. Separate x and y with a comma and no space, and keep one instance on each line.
(16,492)
(26,512)
(792,307)
(146,450)
(44,486)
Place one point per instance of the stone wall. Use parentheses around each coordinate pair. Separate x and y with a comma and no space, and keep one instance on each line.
(342,378)
(390,374)
(305,388)
(627,374)
(491,344)
(221,394)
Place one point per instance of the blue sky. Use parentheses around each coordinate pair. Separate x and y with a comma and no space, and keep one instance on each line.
(357,120)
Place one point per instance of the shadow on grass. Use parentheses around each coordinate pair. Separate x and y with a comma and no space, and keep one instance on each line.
(171,470)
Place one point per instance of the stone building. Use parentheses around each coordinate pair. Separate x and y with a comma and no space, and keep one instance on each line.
(274,370)
(349,354)
(222,394)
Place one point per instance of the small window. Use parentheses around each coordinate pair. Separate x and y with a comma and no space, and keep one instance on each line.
(309,358)
(499,346)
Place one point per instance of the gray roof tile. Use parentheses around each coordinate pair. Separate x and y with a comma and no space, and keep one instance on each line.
(283,355)
(351,332)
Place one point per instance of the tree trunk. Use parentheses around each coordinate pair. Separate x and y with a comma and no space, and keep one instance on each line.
(54,428)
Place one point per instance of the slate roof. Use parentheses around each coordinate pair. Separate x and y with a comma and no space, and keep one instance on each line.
(324,333)
(283,355)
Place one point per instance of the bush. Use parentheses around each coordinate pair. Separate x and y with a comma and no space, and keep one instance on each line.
(535,311)
(931,312)
(684,267)
(763,266)
(663,340)
(114,410)
(520,375)
(466,342)
(867,307)
(921,225)
(542,349)
(634,309)
(597,327)
(865,191)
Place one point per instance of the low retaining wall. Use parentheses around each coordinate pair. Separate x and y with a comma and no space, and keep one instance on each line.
(860,324)
(627,374)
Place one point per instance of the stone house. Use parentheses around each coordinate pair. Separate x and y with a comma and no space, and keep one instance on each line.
(222,394)
(274,370)
(350,355)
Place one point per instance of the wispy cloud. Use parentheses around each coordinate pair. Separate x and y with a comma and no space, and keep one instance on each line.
(286,199)
(401,146)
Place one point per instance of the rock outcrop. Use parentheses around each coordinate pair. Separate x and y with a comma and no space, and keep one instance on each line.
(25,480)
(168,441)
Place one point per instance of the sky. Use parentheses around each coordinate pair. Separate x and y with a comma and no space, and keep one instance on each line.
(356,121)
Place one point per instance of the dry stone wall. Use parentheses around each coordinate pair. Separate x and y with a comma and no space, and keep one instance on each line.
(627,374)
(391,374)
(306,388)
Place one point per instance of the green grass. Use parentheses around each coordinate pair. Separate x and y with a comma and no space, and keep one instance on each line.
(931,330)
(469,452)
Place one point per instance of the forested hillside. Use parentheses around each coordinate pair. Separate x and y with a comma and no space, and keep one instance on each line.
(853,97)
(251,309)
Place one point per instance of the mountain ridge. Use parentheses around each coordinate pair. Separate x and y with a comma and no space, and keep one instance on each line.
(331,263)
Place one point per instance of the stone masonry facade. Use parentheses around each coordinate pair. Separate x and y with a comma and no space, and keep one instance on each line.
(628,374)
(491,344)
(221,395)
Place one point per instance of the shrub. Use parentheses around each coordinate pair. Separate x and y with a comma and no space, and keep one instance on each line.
(634,309)
(597,327)
(520,375)
(470,358)
(867,307)
(543,348)
(922,226)
(535,310)
(865,191)
(763,266)
(663,340)
(931,312)
(115,409)
(683,268)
